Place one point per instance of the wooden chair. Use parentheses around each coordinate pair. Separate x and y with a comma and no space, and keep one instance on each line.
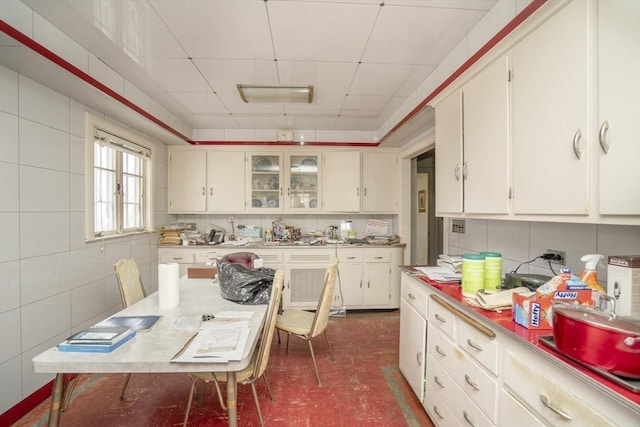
(305,324)
(131,291)
(259,360)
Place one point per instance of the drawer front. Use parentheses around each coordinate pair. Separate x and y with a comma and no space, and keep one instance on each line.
(270,257)
(481,347)
(511,409)
(181,257)
(442,318)
(465,412)
(434,400)
(415,295)
(207,256)
(471,378)
(309,256)
(377,255)
(347,256)
(544,393)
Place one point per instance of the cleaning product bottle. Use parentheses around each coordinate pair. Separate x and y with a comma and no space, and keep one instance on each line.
(590,276)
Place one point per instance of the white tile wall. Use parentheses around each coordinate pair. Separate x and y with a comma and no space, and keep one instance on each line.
(52,281)
(522,241)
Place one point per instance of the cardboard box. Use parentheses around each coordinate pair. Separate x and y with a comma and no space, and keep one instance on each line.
(534,311)
(202,271)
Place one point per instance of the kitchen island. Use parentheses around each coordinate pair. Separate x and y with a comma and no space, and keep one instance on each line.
(368,274)
(470,366)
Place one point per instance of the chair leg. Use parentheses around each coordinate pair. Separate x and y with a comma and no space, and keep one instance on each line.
(315,366)
(186,415)
(326,337)
(255,398)
(220,399)
(287,349)
(266,381)
(124,387)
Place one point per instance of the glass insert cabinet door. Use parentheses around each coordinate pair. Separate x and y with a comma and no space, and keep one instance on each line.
(265,181)
(303,182)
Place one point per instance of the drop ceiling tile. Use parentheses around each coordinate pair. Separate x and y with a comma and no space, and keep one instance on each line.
(235,29)
(451,4)
(200,102)
(322,30)
(235,104)
(380,79)
(213,121)
(366,105)
(322,104)
(224,75)
(425,37)
(177,75)
(326,77)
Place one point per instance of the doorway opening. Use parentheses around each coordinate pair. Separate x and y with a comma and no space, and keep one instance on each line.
(427,229)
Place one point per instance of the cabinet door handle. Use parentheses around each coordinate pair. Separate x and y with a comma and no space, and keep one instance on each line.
(440,318)
(211,191)
(467,378)
(360,283)
(204,191)
(456,172)
(280,191)
(288,192)
(465,170)
(378,257)
(411,296)
(435,410)
(602,136)
(358,191)
(369,284)
(545,401)
(440,352)
(364,191)
(576,144)
(437,381)
(466,418)
(351,257)
(177,258)
(419,358)
(474,345)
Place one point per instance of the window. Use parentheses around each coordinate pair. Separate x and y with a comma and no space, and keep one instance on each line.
(118,182)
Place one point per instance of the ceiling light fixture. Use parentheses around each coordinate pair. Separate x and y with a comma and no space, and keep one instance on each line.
(251,93)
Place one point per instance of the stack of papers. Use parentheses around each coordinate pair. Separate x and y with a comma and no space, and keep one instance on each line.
(218,341)
(137,323)
(97,339)
(440,274)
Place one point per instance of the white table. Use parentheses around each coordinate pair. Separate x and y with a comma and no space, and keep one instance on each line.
(152,351)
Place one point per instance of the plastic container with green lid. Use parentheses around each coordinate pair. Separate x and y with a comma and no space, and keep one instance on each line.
(492,271)
(472,274)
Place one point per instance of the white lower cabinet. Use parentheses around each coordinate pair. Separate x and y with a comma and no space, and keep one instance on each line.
(368,278)
(479,374)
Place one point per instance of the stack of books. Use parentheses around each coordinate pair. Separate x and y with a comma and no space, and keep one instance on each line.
(97,339)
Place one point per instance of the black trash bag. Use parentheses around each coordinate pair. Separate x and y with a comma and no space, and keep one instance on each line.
(243,285)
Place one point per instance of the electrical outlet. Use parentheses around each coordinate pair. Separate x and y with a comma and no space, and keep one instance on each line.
(457,226)
(560,257)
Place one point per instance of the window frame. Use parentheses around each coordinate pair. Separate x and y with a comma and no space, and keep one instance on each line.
(126,141)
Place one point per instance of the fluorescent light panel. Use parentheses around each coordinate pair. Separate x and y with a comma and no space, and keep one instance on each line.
(251,93)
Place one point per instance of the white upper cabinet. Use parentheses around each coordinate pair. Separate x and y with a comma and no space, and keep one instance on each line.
(187,181)
(265,181)
(448,135)
(550,105)
(379,182)
(302,192)
(206,181)
(341,181)
(225,181)
(485,168)
(619,116)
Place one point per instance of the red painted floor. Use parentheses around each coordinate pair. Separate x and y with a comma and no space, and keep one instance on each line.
(362,387)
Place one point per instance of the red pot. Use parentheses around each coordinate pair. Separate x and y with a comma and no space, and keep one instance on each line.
(593,337)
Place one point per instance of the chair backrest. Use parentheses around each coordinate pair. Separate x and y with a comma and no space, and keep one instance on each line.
(128,275)
(242,258)
(269,324)
(324,304)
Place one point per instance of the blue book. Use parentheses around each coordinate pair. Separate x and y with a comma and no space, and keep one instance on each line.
(95,348)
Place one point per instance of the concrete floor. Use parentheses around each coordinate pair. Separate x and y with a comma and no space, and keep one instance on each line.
(363,387)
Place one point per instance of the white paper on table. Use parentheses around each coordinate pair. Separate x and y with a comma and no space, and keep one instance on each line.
(224,323)
(231,314)
(440,274)
(218,345)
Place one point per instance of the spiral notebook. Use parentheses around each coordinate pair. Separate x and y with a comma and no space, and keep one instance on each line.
(137,323)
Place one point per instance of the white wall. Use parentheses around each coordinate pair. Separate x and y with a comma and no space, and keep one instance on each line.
(51,282)
(521,241)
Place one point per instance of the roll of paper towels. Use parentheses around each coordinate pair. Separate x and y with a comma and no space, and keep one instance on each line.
(168,285)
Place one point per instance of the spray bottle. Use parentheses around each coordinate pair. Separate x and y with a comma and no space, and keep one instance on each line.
(590,276)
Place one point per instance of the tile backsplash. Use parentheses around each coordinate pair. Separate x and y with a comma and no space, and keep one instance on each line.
(522,241)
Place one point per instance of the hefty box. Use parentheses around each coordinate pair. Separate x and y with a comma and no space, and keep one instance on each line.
(533,310)
(202,271)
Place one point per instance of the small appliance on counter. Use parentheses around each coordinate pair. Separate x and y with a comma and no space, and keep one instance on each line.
(530,281)
(623,283)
